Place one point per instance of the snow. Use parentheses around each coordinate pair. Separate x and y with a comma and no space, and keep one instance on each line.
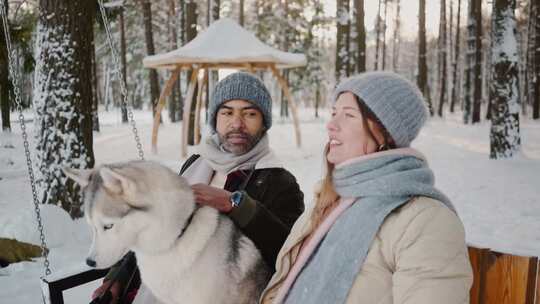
(224,41)
(497,200)
(113,4)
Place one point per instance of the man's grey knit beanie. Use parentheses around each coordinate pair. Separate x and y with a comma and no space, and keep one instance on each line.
(394,100)
(243,86)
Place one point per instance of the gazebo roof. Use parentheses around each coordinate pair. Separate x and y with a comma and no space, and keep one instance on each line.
(225,42)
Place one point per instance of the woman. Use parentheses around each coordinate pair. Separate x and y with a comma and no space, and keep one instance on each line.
(379,231)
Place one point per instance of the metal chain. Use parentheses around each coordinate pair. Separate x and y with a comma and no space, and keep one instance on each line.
(14,76)
(123,88)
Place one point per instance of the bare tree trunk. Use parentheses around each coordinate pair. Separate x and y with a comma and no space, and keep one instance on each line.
(342,44)
(213,76)
(450,22)
(477,100)
(473,68)
(360,36)
(150,50)
(4,79)
(241,15)
(191,32)
(95,95)
(123,51)
(284,105)
(397,39)
(317,100)
(504,92)
(535,14)
(422,55)
(442,59)
(181,16)
(182,20)
(63,64)
(384,35)
(456,61)
(487,77)
(377,36)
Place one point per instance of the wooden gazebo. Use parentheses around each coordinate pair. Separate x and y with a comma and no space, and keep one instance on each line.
(224,44)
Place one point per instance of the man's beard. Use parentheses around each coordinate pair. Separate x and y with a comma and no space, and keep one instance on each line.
(239,149)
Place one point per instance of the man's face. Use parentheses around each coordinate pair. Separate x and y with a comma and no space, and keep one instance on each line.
(239,125)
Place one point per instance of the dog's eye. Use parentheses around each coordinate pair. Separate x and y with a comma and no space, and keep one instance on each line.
(107,227)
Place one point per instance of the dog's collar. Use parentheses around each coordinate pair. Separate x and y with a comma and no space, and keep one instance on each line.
(188,222)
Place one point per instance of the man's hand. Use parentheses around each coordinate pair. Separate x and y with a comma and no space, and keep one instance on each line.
(212,196)
(115,291)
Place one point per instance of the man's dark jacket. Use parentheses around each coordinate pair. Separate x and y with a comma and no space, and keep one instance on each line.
(271,203)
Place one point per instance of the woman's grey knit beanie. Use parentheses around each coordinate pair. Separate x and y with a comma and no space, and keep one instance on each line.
(394,100)
(242,86)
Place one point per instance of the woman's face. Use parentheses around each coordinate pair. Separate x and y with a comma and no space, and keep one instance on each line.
(347,134)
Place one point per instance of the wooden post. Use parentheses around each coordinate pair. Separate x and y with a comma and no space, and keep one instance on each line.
(478,258)
(507,279)
(161,103)
(197,123)
(285,89)
(250,68)
(187,109)
(537,287)
(503,278)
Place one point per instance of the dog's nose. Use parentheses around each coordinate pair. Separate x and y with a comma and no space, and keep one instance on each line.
(90,262)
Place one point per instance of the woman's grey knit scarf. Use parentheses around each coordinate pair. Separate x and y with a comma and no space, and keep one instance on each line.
(380,184)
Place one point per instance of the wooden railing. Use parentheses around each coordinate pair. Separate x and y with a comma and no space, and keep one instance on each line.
(503,278)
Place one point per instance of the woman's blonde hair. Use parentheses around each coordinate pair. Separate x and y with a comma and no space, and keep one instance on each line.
(326,197)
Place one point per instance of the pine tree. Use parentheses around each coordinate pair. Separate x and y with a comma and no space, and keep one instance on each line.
(534,15)
(343,40)
(360,36)
(241,13)
(477,97)
(473,71)
(21,31)
(191,32)
(123,52)
(4,80)
(455,68)
(377,35)
(397,38)
(384,34)
(146,8)
(504,93)
(214,14)
(63,98)
(422,79)
(442,59)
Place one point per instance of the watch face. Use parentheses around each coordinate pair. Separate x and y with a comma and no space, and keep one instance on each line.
(236,198)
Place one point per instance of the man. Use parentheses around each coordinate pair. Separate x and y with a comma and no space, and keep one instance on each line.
(237,173)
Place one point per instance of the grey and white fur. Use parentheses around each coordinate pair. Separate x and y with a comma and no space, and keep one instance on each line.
(185,254)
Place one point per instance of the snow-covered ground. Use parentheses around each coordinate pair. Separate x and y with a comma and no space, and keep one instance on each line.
(498,200)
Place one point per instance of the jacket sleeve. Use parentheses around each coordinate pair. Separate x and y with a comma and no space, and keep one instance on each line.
(431,260)
(268,221)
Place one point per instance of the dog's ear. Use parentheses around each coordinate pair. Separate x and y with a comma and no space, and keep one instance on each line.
(116,182)
(80,176)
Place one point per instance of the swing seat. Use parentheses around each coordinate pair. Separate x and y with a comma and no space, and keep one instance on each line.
(54,285)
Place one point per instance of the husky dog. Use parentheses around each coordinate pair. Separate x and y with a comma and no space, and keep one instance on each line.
(185,254)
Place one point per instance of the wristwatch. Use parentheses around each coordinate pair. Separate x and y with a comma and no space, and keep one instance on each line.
(236,198)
